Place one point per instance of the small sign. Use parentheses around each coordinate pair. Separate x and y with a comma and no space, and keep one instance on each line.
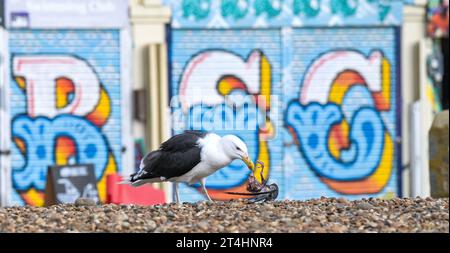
(41,14)
(20,20)
(68,182)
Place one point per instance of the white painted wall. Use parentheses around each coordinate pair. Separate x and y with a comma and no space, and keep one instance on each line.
(5,144)
(148,28)
(148,20)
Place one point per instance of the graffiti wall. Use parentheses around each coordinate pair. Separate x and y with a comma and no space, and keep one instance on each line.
(328,121)
(228,82)
(65,99)
(341,112)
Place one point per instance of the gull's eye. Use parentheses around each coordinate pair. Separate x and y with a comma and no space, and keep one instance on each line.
(238,148)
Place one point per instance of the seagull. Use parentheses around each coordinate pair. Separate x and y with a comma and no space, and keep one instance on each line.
(190,157)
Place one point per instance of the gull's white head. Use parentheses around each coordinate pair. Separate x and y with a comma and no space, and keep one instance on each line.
(235,148)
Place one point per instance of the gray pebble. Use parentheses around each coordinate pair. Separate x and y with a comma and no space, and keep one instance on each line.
(311,216)
(364,206)
(85,202)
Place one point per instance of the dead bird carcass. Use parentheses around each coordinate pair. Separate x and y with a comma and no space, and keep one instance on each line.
(260,192)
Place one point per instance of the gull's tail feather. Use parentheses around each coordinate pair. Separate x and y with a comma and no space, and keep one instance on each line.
(135,182)
(126,181)
(138,183)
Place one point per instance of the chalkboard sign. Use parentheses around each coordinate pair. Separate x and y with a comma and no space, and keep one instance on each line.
(68,182)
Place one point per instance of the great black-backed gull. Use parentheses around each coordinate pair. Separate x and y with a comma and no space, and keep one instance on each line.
(190,157)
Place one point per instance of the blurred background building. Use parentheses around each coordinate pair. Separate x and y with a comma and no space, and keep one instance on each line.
(344,91)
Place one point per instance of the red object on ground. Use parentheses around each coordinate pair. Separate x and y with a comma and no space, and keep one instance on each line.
(144,195)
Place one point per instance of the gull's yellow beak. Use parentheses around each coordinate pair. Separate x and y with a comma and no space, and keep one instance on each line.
(249,163)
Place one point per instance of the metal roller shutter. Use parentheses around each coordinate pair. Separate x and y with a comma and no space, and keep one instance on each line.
(341,110)
(66,105)
(209,64)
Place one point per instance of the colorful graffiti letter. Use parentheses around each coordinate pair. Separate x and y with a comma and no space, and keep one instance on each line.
(63,95)
(235,8)
(338,122)
(307,7)
(67,106)
(272,8)
(199,9)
